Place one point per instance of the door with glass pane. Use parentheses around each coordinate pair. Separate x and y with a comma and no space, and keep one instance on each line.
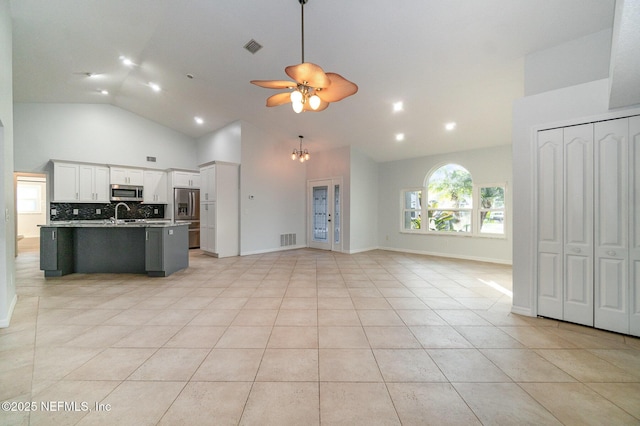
(325,230)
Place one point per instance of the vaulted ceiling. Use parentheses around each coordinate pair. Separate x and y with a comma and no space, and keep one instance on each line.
(457,60)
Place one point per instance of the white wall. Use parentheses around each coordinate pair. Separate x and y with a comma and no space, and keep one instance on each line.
(571,105)
(222,145)
(277,186)
(575,62)
(487,166)
(96,133)
(364,203)
(7,222)
(335,163)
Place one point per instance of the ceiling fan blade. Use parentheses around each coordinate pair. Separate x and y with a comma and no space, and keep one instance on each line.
(278,99)
(274,84)
(312,74)
(339,89)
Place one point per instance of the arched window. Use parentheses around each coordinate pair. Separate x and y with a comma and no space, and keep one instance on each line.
(450,199)
(453,204)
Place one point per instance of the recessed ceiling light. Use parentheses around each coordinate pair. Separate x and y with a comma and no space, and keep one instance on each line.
(104,92)
(450,126)
(400,137)
(398,106)
(198,120)
(154,86)
(126,61)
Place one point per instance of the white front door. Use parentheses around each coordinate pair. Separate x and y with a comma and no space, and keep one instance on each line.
(324,225)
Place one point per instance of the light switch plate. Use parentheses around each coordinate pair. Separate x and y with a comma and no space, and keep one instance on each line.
(98,211)
(54,212)
(75,211)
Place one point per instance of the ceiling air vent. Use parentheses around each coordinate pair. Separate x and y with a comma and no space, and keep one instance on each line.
(253,46)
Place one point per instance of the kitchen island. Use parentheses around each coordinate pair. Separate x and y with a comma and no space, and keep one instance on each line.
(157,249)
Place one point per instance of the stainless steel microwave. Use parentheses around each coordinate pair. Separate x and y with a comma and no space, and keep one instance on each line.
(126,193)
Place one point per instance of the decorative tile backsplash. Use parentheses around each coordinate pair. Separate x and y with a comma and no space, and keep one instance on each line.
(90,211)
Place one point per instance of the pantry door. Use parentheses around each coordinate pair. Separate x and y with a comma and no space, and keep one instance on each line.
(325,216)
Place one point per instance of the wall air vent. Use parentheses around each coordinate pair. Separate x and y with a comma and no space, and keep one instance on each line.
(253,46)
(287,240)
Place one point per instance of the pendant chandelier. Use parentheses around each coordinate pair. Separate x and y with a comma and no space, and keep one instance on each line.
(299,154)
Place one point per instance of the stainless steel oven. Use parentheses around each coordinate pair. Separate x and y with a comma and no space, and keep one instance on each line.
(126,193)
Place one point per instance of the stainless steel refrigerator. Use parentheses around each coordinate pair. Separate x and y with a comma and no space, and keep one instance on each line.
(186,204)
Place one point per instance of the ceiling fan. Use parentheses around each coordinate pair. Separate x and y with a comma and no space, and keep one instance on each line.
(312,88)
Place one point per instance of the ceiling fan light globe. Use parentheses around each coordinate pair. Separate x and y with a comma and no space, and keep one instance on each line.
(314,102)
(297,107)
(296,97)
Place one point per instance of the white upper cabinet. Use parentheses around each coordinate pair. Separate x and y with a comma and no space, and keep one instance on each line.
(77,182)
(184,179)
(208,183)
(94,183)
(126,176)
(66,182)
(155,187)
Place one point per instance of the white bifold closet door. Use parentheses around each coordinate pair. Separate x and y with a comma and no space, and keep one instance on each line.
(578,224)
(550,180)
(611,225)
(634,225)
(588,207)
(565,224)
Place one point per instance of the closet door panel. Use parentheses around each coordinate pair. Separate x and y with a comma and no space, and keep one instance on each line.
(634,225)
(611,225)
(578,224)
(550,218)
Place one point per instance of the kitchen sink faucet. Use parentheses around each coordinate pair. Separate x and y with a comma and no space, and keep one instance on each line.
(118,205)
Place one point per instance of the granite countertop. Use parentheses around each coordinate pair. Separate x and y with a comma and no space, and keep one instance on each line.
(138,223)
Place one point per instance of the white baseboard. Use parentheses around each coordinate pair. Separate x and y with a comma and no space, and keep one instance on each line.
(452,256)
(522,311)
(273,250)
(4,322)
(427,253)
(360,250)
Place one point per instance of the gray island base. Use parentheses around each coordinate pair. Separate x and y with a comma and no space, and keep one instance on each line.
(155,249)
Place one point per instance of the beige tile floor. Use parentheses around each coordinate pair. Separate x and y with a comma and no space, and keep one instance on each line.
(305,337)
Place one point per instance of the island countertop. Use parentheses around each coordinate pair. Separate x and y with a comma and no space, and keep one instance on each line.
(141,223)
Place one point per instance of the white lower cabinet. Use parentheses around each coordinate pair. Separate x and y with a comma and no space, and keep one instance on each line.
(588,224)
(219,219)
(208,227)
